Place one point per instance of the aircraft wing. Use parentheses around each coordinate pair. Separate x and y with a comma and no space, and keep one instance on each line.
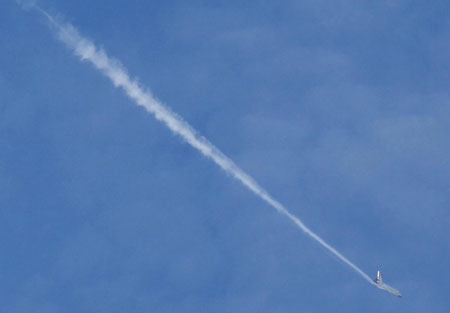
(389,289)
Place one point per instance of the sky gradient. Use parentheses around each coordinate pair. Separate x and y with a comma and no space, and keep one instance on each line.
(340,110)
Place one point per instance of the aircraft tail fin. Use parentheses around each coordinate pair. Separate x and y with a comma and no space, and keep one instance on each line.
(378,279)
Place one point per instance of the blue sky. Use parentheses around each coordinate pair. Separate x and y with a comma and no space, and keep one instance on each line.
(339,109)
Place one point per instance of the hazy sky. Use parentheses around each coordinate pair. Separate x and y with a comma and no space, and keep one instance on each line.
(341,110)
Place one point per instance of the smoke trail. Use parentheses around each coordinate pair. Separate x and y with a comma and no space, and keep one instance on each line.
(112,69)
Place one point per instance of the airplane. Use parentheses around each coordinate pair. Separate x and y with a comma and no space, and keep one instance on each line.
(383,286)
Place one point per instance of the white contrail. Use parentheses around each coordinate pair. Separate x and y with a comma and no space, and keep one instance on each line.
(112,69)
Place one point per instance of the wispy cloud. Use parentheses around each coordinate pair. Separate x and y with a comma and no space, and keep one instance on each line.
(26,4)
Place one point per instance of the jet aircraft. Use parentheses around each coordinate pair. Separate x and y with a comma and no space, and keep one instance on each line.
(383,286)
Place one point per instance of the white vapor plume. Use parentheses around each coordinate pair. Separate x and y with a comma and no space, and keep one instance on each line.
(113,70)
